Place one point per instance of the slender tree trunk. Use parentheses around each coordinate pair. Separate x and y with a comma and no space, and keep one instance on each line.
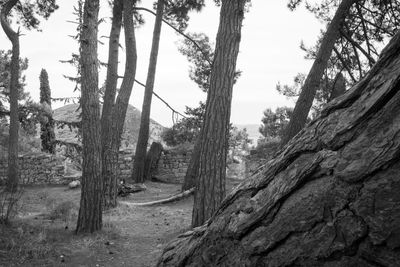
(141,146)
(108,103)
(90,211)
(330,198)
(312,82)
(210,183)
(122,101)
(13,171)
(46,128)
(193,168)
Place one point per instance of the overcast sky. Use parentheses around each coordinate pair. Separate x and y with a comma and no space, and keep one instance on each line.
(269,53)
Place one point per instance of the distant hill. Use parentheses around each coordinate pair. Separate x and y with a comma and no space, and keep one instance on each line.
(130,135)
(252,130)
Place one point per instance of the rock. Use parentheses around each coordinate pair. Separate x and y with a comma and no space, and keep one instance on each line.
(74,184)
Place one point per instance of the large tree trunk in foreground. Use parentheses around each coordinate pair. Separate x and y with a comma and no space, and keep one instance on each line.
(122,101)
(313,80)
(210,183)
(90,211)
(329,198)
(138,173)
(13,174)
(108,169)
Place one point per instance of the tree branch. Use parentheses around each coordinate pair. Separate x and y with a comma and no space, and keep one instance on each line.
(344,64)
(162,100)
(180,32)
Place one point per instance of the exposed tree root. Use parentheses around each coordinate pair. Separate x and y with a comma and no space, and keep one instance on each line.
(161,201)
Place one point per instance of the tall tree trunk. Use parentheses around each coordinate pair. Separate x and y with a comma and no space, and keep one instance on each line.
(193,168)
(330,198)
(312,82)
(122,101)
(90,211)
(13,172)
(46,128)
(108,103)
(210,183)
(141,146)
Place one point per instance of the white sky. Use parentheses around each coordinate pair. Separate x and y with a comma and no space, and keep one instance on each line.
(269,53)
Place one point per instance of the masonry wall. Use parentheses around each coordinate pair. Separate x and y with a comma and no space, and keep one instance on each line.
(37,168)
(42,168)
(172,165)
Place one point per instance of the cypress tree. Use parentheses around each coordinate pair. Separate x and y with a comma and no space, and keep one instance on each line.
(47,125)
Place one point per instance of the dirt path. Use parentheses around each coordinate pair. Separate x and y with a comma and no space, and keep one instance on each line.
(131,236)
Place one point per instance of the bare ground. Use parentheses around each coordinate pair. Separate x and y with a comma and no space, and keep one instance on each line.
(42,233)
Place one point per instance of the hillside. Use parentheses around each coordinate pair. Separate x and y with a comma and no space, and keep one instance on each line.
(70,113)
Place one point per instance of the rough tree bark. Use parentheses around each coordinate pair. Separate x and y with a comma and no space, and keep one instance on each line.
(214,135)
(46,127)
(138,174)
(122,101)
(13,174)
(312,82)
(108,103)
(90,211)
(329,198)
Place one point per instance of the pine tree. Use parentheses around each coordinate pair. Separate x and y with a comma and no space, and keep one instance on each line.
(47,125)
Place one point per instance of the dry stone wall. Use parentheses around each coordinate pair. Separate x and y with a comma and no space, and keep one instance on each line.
(172,165)
(42,168)
(37,168)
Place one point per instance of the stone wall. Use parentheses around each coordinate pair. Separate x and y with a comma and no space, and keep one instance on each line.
(37,168)
(42,168)
(172,165)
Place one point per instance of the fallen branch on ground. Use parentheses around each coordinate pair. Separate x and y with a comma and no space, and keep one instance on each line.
(162,201)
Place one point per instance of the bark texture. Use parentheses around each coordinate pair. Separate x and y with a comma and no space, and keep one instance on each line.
(138,173)
(108,170)
(210,183)
(90,211)
(312,82)
(122,101)
(46,127)
(13,174)
(329,198)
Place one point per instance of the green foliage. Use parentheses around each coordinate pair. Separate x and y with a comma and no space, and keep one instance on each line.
(5,64)
(45,93)
(177,11)
(200,69)
(47,123)
(27,12)
(200,59)
(187,129)
(367,27)
(274,123)
(238,140)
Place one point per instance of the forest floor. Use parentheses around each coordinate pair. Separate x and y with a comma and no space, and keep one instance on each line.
(42,234)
